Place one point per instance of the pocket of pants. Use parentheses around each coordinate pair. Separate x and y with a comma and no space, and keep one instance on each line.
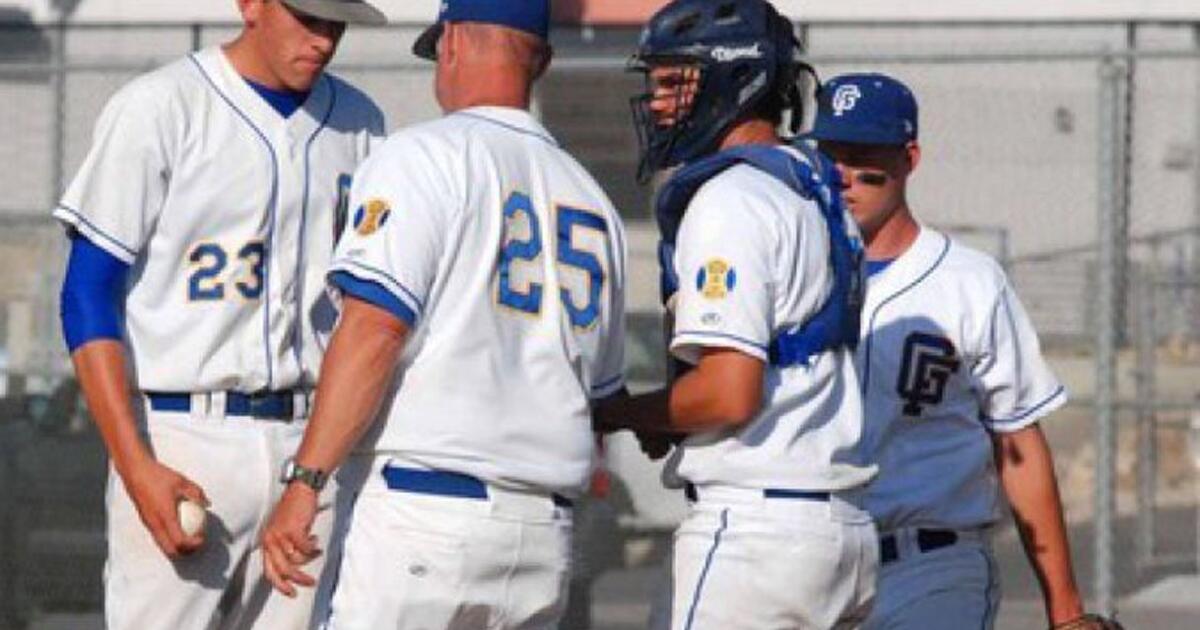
(425,556)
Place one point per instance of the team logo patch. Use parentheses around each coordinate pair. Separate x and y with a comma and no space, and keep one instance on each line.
(926,365)
(716,279)
(371,216)
(845,97)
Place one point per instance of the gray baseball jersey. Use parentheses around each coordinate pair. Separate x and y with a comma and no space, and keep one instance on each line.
(947,355)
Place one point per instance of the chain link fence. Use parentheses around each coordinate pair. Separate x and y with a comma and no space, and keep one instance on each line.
(1069,151)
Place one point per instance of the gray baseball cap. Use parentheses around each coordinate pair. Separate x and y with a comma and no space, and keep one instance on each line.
(348,11)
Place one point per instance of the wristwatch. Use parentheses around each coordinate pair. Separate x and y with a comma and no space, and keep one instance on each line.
(314,478)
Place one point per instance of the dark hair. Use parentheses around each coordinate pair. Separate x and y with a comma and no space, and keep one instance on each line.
(770,108)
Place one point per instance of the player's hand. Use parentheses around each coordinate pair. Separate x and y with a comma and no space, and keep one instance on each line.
(602,422)
(656,445)
(156,491)
(606,412)
(287,543)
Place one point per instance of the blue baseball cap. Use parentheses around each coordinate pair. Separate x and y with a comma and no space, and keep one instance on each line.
(530,16)
(866,108)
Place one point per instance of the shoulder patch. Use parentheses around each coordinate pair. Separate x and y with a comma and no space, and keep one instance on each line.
(716,279)
(371,216)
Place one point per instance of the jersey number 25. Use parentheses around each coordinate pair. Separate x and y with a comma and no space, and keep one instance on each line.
(529,251)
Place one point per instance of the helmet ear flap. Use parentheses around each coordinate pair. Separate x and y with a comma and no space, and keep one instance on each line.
(795,98)
(796,104)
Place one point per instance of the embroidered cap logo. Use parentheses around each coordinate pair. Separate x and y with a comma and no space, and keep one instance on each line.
(845,98)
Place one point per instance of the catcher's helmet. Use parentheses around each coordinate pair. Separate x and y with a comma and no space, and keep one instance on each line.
(744,51)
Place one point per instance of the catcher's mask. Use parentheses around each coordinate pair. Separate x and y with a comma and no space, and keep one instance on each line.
(731,55)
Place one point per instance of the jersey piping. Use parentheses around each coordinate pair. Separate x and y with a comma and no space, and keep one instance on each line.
(270,239)
(388,282)
(706,333)
(301,277)
(127,255)
(604,386)
(542,137)
(866,380)
(1032,410)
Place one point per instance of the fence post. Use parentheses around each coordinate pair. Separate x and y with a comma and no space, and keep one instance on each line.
(58,93)
(1124,173)
(1194,447)
(1112,75)
(1145,293)
(1193,312)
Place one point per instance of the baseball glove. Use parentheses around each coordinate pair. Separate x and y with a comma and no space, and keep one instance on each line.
(657,445)
(1089,621)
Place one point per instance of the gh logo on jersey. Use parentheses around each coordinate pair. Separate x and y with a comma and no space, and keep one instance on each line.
(845,97)
(925,368)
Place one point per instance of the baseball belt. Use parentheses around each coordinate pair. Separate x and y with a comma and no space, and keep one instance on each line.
(926,540)
(280,405)
(692,493)
(444,483)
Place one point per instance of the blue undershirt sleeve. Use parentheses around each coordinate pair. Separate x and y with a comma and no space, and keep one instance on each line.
(91,305)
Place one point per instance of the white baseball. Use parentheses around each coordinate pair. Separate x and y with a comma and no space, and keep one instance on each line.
(191,517)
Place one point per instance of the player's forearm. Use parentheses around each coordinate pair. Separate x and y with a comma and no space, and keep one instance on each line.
(724,390)
(670,410)
(355,375)
(100,368)
(713,397)
(1026,470)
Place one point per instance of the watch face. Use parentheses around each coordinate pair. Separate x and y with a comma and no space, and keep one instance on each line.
(310,477)
(289,471)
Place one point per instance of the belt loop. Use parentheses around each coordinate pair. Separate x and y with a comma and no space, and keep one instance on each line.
(147,408)
(199,405)
(216,404)
(911,547)
(300,409)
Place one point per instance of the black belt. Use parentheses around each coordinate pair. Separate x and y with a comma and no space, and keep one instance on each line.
(273,405)
(444,483)
(927,540)
(689,491)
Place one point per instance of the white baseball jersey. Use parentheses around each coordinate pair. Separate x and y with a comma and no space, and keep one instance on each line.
(947,355)
(753,261)
(226,212)
(508,261)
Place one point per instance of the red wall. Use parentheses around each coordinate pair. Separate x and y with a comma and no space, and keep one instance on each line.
(605,11)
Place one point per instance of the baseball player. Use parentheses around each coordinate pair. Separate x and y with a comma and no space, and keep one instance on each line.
(201,223)
(482,275)
(954,385)
(765,307)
